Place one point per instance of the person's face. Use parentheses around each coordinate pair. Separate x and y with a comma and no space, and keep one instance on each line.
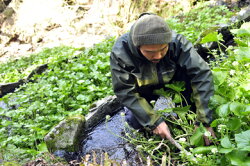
(154,52)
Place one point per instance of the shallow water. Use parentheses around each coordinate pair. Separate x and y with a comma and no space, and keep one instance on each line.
(107,137)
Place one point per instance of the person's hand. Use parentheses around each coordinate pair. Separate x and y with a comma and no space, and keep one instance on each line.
(206,139)
(162,130)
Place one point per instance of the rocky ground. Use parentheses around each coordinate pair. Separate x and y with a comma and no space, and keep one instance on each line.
(29,26)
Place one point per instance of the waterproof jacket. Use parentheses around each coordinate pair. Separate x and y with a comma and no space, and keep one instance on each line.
(134,77)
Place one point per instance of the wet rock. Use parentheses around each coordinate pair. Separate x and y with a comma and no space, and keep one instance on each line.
(164,103)
(8,12)
(7,2)
(9,87)
(242,3)
(66,135)
(38,70)
(68,156)
(224,29)
(107,106)
(66,139)
(6,22)
(243,15)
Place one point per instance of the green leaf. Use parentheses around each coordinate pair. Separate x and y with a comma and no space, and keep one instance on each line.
(160,92)
(247,110)
(239,158)
(81,97)
(217,100)
(177,98)
(197,138)
(245,86)
(234,124)
(243,31)
(177,86)
(237,108)
(212,37)
(215,123)
(226,150)
(181,111)
(246,26)
(225,143)
(242,53)
(42,147)
(240,42)
(219,76)
(203,149)
(223,110)
(243,140)
(191,116)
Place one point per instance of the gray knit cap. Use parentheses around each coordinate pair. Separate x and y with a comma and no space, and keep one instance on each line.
(150,29)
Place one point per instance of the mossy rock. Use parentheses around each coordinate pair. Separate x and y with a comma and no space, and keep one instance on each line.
(66,135)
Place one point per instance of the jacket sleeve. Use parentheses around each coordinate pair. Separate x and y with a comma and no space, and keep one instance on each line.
(201,79)
(124,86)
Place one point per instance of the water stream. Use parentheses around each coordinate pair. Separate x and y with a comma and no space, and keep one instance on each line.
(108,137)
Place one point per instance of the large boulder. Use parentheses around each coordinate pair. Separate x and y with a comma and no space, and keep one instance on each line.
(66,135)
(69,133)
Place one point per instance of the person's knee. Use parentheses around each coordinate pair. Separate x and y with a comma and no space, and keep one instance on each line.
(131,120)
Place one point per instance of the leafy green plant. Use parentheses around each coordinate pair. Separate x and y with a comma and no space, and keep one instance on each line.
(231,99)
(16,69)
(69,86)
(182,128)
(199,19)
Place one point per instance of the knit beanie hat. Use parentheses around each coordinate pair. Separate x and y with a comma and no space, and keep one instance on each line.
(150,29)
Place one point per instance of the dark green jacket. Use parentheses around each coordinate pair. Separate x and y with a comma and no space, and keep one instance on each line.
(133,77)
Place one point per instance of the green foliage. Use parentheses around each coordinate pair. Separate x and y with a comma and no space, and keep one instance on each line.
(17,69)
(69,86)
(231,100)
(203,149)
(199,19)
(197,138)
(183,131)
(173,91)
(211,37)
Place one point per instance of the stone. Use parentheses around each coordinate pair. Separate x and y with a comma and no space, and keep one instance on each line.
(107,106)
(204,50)
(7,2)
(9,87)
(66,135)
